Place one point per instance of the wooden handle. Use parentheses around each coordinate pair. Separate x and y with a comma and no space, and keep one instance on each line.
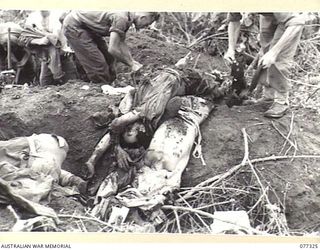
(9,49)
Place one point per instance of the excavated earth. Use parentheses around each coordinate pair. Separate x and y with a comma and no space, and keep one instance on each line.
(67,111)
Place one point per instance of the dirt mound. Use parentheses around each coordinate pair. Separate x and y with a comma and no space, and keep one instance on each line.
(67,110)
(294,179)
(64,110)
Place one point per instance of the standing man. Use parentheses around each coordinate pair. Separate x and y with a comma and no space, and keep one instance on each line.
(56,63)
(279,37)
(85,31)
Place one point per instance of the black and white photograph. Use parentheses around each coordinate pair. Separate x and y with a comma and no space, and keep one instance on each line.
(160,122)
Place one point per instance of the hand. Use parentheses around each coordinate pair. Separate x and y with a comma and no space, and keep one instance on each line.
(267,59)
(67,51)
(136,66)
(229,56)
(123,158)
(43,41)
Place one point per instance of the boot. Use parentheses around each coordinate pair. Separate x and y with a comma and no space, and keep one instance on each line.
(276,110)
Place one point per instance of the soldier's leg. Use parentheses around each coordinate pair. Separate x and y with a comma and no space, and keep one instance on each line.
(88,54)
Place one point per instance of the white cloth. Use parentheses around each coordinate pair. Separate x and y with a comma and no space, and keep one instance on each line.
(50,24)
(167,157)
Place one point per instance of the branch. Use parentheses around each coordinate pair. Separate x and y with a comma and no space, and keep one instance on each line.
(202,221)
(204,38)
(217,178)
(89,219)
(178,220)
(193,210)
(246,147)
(181,29)
(289,134)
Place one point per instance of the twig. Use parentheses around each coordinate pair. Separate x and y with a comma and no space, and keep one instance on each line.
(247,160)
(90,219)
(178,221)
(301,83)
(196,214)
(192,210)
(214,188)
(285,137)
(264,191)
(196,61)
(288,150)
(217,178)
(181,29)
(204,38)
(259,200)
(83,226)
(216,204)
(246,147)
(295,151)
(228,173)
(289,134)
(313,93)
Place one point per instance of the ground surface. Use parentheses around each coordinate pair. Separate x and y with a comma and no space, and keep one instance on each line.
(66,111)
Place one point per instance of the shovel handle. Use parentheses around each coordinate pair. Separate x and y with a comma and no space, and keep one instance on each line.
(255,79)
(9,49)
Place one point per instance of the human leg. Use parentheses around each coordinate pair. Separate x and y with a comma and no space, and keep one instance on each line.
(88,54)
(278,74)
(46,77)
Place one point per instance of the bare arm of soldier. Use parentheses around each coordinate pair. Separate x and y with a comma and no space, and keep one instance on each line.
(271,56)
(233,34)
(119,49)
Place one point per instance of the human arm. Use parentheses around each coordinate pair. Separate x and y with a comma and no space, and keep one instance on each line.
(233,35)
(119,124)
(118,127)
(120,51)
(99,150)
(271,56)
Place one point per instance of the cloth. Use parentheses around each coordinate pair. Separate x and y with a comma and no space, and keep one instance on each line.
(21,38)
(152,97)
(167,156)
(145,186)
(29,167)
(49,55)
(50,27)
(48,73)
(50,24)
(103,23)
(286,18)
(272,27)
(84,31)
(15,31)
